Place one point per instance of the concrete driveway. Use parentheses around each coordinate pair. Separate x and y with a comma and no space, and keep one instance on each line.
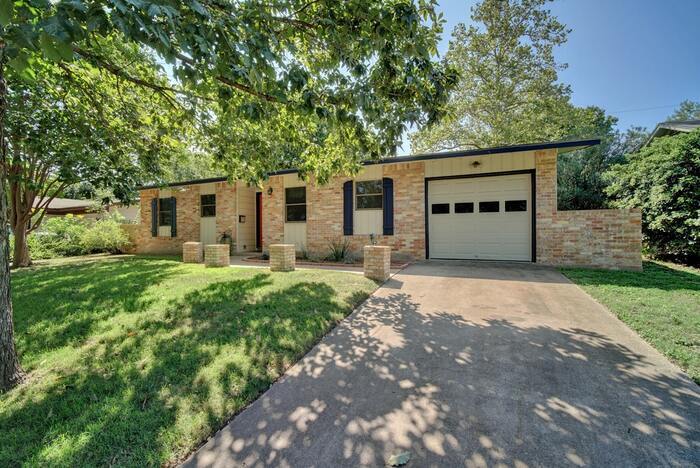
(472,364)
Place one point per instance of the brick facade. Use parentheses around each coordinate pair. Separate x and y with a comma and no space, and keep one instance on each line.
(188,216)
(324,213)
(595,238)
(589,238)
(273,212)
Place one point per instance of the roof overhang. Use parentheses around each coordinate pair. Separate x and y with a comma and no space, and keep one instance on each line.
(560,146)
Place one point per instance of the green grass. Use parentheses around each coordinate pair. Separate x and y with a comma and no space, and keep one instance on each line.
(662,304)
(136,361)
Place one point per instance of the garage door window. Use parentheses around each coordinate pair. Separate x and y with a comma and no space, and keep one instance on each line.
(489,207)
(465,207)
(368,195)
(440,208)
(516,205)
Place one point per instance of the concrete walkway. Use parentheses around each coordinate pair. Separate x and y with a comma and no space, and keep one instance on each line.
(472,364)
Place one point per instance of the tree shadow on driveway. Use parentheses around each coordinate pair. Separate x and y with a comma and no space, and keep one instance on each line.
(453,391)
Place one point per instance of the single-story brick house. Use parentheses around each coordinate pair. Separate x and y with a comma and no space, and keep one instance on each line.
(491,204)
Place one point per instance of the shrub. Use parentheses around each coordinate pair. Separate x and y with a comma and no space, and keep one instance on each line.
(663,179)
(104,235)
(58,237)
(73,235)
(339,250)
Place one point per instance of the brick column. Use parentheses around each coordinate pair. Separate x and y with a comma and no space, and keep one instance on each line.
(282,257)
(216,255)
(192,252)
(377,262)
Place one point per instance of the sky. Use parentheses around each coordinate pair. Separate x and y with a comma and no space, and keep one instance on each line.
(637,59)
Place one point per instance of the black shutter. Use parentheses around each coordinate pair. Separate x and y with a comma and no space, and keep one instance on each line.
(154,217)
(173,217)
(347,208)
(388,187)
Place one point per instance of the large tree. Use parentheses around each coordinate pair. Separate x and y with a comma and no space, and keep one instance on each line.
(663,179)
(687,110)
(72,123)
(356,72)
(508,91)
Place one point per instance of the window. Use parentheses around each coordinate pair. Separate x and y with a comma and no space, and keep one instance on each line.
(465,207)
(489,207)
(440,208)
(165,212)
(295,202)
(207,205)
(516,205)
(368,195)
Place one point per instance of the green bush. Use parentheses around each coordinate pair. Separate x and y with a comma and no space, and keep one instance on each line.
(663,179)
(73,235)
(104,235)
(339,251)
(58,237)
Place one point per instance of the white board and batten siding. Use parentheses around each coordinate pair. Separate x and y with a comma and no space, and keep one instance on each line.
(295,232)
(460,223)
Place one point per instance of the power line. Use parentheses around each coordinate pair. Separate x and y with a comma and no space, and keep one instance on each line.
(643,109)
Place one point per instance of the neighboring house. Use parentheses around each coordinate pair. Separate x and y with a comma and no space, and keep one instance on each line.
(670,128)
(86,208)
(487,204)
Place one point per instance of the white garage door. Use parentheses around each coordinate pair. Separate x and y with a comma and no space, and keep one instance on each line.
(487,218)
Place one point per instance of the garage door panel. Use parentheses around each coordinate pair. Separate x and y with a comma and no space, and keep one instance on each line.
(502,235)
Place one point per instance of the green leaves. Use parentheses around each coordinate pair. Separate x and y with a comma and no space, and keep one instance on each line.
(7,8)
(508,91)
(54,49)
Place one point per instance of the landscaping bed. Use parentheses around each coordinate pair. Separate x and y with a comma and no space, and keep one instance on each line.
(355,263)
(137,360)
(661,303)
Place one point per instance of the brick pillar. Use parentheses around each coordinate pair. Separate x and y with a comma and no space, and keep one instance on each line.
(216,255)
(377,262)
(282,257)
(192,252)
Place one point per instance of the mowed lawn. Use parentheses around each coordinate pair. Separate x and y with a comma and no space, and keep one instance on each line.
(662,304)
(136,361)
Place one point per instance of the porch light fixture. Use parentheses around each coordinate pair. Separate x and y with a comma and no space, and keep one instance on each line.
(269,191)
(241,218)
(476,164)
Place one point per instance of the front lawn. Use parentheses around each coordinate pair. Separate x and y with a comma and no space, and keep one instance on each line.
(136,361)
(662,304)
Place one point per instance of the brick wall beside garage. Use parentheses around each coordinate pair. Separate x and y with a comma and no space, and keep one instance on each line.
(589,238)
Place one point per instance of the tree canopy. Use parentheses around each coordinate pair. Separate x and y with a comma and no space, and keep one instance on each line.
(302,74)
(74,123)
(663,179)
(508,91)
(282,67)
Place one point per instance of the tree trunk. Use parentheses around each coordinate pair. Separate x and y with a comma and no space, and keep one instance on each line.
(20,257)
(11,372)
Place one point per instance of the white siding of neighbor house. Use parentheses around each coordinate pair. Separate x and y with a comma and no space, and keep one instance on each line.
(367,221)
(295,233)
(488,163)
(245,237)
